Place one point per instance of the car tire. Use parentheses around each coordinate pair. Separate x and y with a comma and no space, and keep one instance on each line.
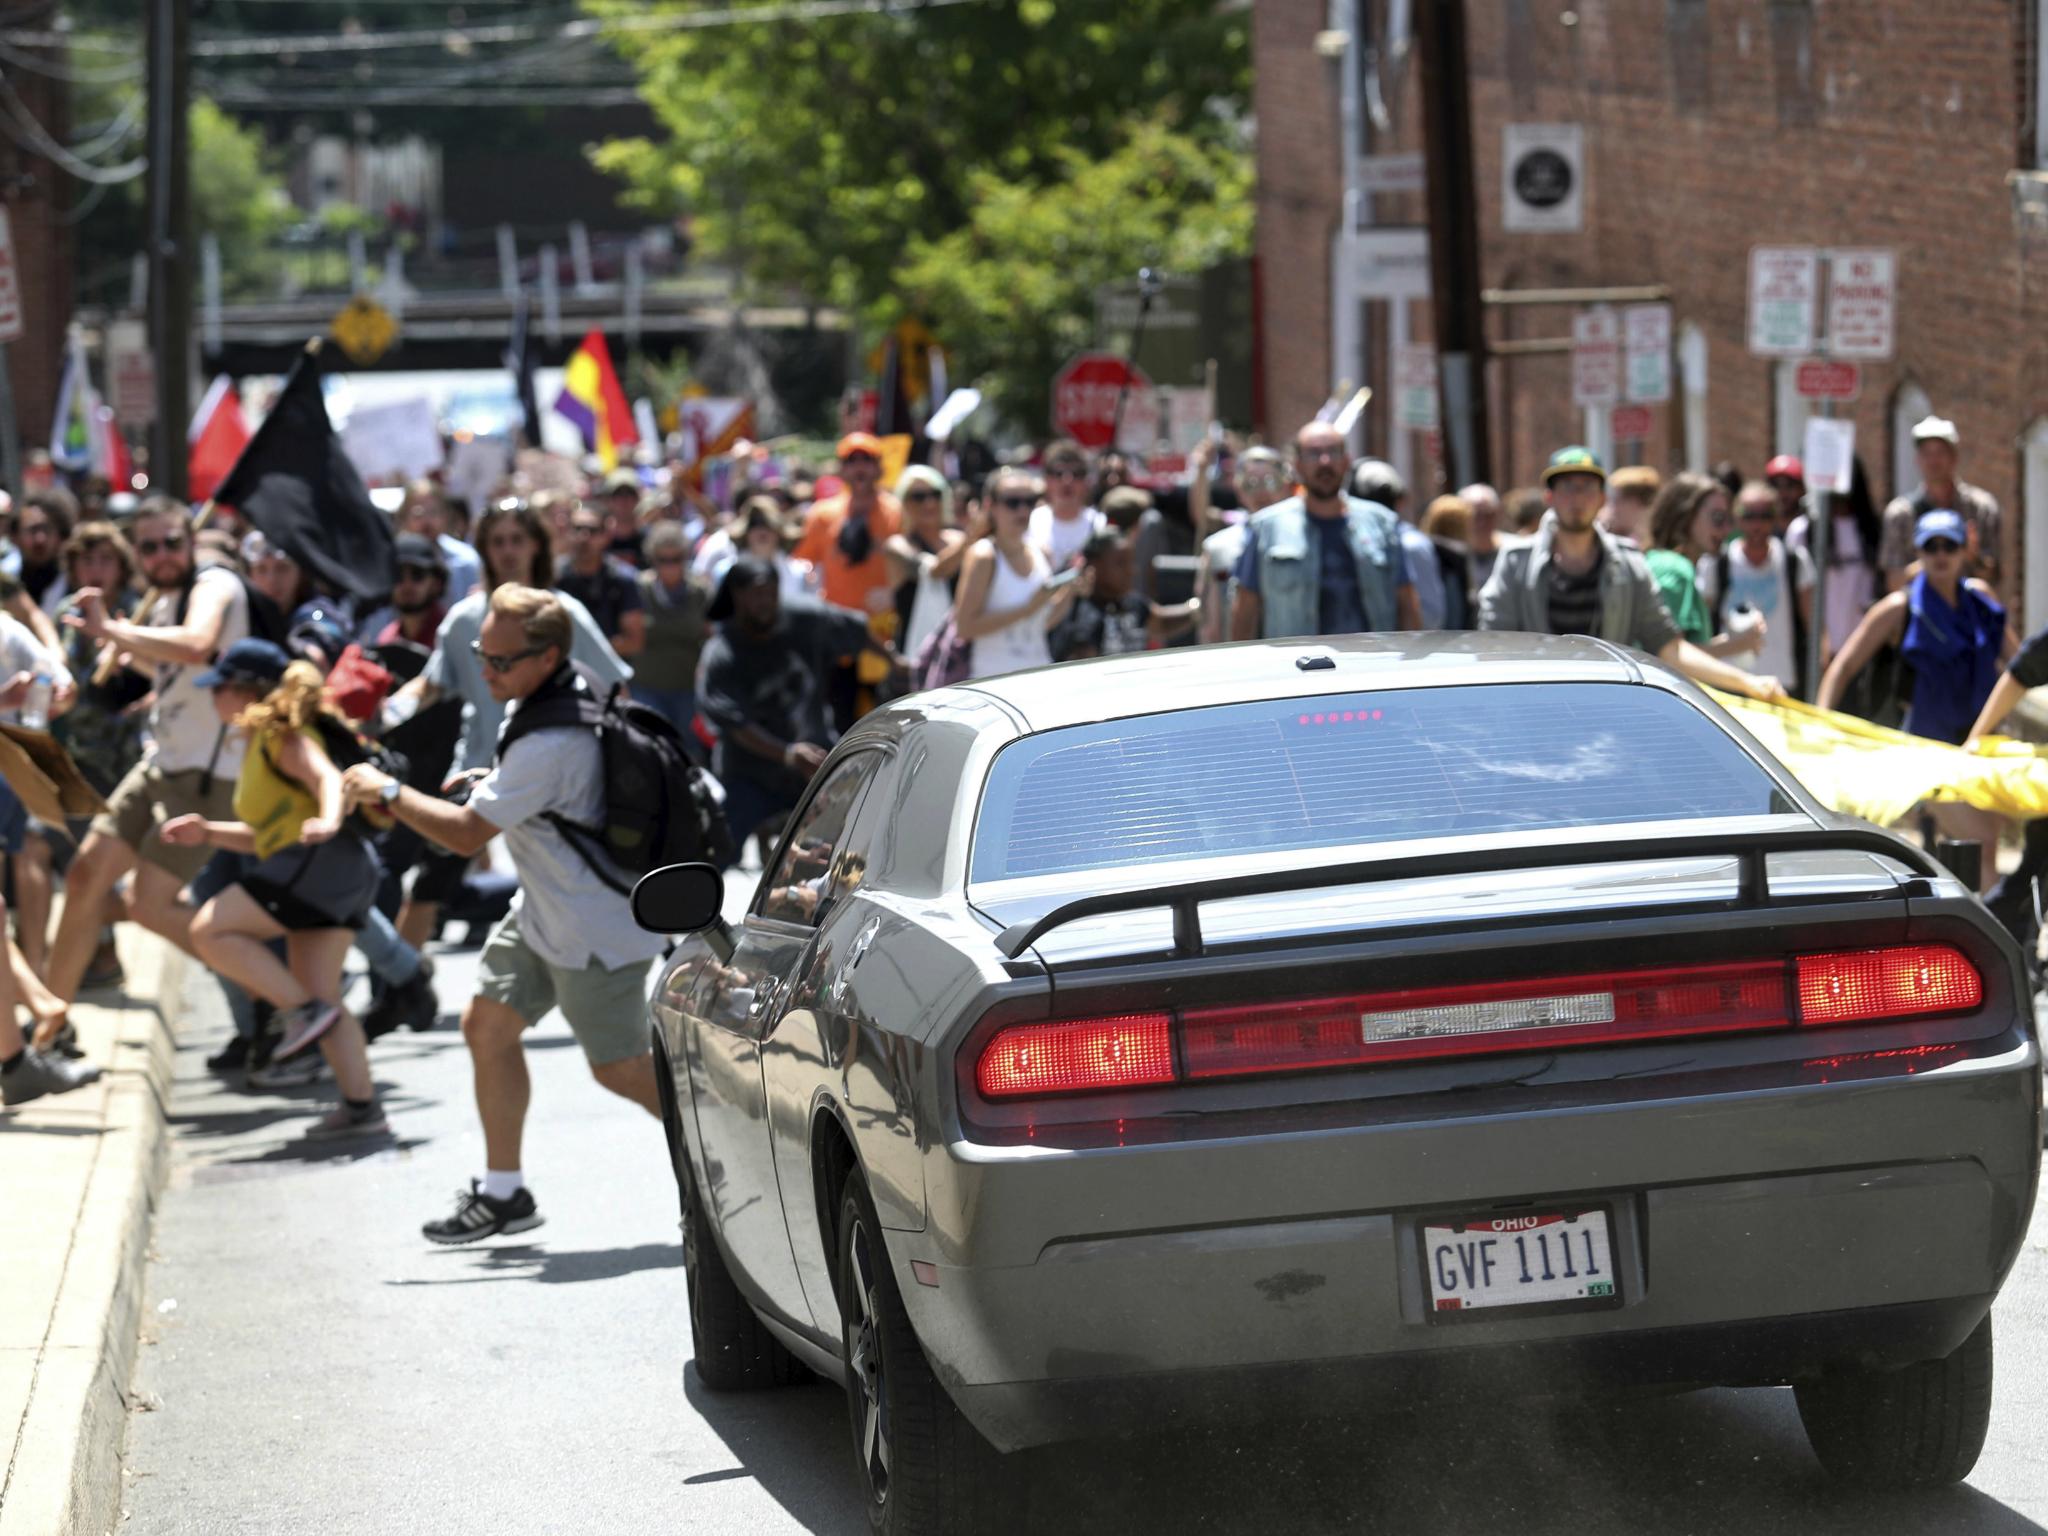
(1920,1427)
(733,1348)
(925,1471)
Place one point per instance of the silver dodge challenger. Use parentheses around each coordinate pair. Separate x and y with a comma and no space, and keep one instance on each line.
(1298,1027)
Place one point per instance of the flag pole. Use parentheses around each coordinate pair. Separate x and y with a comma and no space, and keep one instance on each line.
(109,657)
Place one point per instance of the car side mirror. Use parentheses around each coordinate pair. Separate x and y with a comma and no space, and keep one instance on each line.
(684,898)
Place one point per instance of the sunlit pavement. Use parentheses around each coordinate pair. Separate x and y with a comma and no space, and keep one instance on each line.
(312,1364)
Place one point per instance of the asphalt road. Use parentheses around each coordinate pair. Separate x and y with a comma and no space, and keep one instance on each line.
(312,1364)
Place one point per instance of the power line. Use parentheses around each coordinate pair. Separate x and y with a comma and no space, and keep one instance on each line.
(35,64)
(33,136)
(519,32)
(304,101)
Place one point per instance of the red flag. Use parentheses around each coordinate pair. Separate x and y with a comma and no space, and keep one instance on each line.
(119,469)
(219,434)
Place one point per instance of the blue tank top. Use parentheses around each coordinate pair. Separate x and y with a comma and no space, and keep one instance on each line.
(1953,651)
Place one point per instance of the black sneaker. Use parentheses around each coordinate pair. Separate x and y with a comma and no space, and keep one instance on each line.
(418,1004)
(478,1216)
(381,1017)
(35,1074)
(232,1057)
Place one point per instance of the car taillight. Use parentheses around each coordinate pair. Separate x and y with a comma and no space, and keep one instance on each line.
(1484,1019)
(1858,985)
(1487,1018)
(1079,1056)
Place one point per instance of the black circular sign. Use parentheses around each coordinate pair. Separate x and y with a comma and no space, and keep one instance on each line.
(1543,178)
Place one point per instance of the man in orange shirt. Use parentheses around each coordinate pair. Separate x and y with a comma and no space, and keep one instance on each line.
(844,535)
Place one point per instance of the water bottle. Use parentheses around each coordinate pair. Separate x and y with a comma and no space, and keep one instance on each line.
(35,709)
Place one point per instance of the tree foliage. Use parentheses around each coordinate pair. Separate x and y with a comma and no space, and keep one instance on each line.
(1038,144)
(1020,275)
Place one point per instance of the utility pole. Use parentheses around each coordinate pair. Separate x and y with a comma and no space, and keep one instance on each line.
(1453,237)
(170,238)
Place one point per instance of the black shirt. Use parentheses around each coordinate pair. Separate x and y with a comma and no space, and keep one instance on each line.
(1102,627)
(609,595)
(2029,666)
(1574,601)
(776,682)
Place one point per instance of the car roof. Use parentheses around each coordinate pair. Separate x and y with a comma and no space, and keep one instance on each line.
(1194,677)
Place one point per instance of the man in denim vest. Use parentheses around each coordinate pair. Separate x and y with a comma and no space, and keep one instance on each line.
(1322,563)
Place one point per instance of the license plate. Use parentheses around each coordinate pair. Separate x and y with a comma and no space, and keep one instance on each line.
(1555,1259)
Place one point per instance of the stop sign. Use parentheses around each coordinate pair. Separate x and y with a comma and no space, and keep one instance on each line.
(1084,395)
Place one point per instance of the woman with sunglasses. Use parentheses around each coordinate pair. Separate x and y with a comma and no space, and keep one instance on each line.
(1007,599)
(1951,633)
(1953,641)
(315,875)
(1689,521)
(925,557)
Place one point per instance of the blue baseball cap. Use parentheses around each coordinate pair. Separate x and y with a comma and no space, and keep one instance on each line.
(1941,523)
(253,663)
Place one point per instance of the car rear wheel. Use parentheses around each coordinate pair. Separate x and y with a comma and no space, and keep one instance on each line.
(1920,1427)
(925,1470)
(734,1350)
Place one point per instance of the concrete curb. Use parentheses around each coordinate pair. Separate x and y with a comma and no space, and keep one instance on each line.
(69,1301)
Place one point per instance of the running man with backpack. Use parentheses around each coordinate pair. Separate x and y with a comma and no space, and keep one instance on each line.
(570,939)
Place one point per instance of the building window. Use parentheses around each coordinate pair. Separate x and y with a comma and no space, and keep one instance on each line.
(1685,34)
(1789,409)
(1792,60)
(1692,374)
(1518,55)
(2034,488)
(1909,404)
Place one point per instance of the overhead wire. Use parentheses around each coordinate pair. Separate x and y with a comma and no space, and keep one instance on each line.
(28,132)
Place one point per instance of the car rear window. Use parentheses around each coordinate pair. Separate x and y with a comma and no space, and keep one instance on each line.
(1296,774)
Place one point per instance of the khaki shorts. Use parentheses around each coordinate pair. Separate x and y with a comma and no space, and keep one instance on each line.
(145,799)
(606,1009)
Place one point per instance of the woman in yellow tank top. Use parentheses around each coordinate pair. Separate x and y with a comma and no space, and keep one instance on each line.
(312,878)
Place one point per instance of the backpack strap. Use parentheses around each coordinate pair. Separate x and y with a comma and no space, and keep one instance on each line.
(1723,571)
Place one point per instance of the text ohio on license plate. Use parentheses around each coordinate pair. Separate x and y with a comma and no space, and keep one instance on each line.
(1532,1259)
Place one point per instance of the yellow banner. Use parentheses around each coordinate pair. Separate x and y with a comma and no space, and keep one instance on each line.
(1867,770)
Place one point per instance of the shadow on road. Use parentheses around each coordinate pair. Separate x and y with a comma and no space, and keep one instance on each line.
(547,1266)
(1710,1464)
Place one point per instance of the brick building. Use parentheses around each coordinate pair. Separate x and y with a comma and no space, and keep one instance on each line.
(1709,126)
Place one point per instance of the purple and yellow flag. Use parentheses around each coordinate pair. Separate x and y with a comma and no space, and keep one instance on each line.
(592,399)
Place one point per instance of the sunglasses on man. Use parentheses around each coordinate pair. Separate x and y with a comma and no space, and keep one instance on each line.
(170,542)
(504,664)
(1940,547)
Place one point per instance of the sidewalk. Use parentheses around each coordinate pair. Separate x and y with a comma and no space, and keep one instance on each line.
(79,1177)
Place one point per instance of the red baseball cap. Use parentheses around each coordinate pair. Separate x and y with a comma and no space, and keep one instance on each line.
(1784,464)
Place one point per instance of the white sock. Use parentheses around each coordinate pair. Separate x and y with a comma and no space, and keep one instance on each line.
(503,1186)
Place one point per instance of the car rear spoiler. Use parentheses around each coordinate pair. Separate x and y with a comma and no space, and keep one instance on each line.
(1751,850)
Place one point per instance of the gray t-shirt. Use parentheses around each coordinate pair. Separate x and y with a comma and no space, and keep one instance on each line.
(567,915)
(454,669)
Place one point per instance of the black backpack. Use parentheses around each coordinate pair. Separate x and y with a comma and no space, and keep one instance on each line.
(659,807)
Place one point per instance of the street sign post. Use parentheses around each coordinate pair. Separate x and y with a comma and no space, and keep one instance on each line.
(1646,341)
(1631,423)
(1784,299)
(1415,388)
(1084,396)
(1596,357)
(1862,302)
(1820,378)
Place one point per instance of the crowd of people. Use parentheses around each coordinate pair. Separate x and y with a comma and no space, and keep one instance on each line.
(286,779)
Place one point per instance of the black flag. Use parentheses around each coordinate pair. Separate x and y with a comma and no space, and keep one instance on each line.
(294,483)
(519,360)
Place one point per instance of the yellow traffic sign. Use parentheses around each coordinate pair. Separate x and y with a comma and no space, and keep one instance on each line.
(365,329)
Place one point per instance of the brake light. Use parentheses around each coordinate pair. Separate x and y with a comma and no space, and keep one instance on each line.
(1488,1018)
(1081,1056)
(1858,985)
(1481,1020)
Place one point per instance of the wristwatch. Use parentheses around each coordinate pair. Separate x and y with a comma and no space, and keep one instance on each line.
(389,793)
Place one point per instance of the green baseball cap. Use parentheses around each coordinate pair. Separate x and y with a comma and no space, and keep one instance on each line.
(1574,460)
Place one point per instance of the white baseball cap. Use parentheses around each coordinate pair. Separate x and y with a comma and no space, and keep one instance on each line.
(1930,427)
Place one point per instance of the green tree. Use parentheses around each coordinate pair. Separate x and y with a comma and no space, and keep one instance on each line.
(1018,279)
(848,158)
